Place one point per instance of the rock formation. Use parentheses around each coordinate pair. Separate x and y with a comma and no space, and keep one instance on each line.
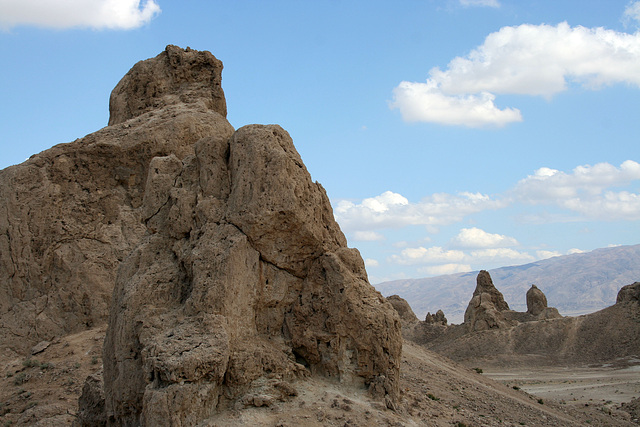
(536,301)
(486,306)
(537,305)
(234,279)
(72,213)
(543,336)
(629,294)
(407,316)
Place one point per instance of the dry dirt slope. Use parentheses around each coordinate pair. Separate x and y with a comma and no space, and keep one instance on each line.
(434,392)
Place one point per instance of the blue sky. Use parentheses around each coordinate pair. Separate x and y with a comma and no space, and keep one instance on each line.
(450,135)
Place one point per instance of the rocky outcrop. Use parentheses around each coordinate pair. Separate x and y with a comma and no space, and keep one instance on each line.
(546,337)
(629,294)
(174,77)
(537,305)
(485,310)
(242,280)
(536,301)
(71,214)
(407,316)
(436,319)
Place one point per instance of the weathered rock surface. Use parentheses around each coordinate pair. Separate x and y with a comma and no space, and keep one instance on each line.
(407,316)
(548,338)
(71,214)
(174,77)
(486,306)
(536,301)
(629,294)
(242,282)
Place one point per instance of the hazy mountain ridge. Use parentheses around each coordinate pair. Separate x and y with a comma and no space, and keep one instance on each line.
(574,284)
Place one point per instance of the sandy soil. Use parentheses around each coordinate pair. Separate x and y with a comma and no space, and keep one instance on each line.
(42,390)
(582,385)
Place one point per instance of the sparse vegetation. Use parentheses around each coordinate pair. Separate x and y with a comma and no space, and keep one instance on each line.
(515,387)
(21,378)
(461,424)
(540,401)
(94,360)
(432,397)
(30,363)
(478,370)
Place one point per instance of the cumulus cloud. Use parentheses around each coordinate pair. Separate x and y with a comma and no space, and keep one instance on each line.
(438,257)
(392,210)
(547,254)
(370,262)
(425,102)
(439,270)
(586,190)
(477,238)
(502,255)
(537,60)
(61,14)
(367,236)
(422,255)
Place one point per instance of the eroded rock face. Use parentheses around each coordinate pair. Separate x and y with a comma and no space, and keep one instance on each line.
(407,316)
(71,214)
(486,306)
(629,293)
(243,275)
(242,281)
(174,77)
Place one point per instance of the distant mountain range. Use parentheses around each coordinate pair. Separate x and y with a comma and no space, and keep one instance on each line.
(574,284)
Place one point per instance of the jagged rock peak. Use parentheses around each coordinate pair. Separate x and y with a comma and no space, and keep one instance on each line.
(484,284)
(536,301)
(629,293)
(485,310)
(174,76)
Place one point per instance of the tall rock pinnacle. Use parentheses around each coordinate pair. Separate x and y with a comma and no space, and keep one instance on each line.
(176,76)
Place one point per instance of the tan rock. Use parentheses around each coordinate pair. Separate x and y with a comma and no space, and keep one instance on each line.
(174,77)
(486,306)
(243,280)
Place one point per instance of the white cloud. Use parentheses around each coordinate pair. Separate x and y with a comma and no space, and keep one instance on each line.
(438,256)
(574,251)
(392,210)
(439,270)
(367,236)
(632,13)
(538,60)
(585,190)
(487,3)
(422,255)
(370,263)
(425,102)
(547,254)
(500,255)
(477,238)
(60,14)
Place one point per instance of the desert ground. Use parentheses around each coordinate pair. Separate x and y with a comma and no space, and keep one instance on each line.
(610,383)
